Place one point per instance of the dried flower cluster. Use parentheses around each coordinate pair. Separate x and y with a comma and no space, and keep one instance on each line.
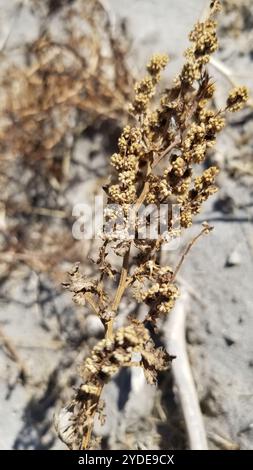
(237,98)
(107,357)
(154,164)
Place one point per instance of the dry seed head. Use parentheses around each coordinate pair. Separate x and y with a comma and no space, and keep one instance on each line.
(157,63)
(237,98)
(197,153)
(205,39)
(120,162)
(212,120)
(117,161)
(121,195)
(145,88)
(127,177)
(186,218)
(206,179)
(166,307)
(109,370)
(205,42)
(215,6)
(164,189)
(139,104)
(179,166)
(190,73)
(210,91)
(119,349)
(90,389)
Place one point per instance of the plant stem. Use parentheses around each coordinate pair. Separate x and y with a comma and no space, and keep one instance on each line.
(119,293)
(206,229)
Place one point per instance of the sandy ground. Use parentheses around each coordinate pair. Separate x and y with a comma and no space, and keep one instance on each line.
(217,274)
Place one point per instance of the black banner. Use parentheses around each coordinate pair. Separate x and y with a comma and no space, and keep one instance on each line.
(128,458)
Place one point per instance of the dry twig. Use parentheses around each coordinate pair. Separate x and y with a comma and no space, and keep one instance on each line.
(174,334)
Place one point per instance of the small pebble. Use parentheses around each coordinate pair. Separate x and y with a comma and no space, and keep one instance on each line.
(234,259)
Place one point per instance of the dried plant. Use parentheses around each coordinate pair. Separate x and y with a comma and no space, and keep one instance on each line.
(75,76)
(155,164)
(71,81)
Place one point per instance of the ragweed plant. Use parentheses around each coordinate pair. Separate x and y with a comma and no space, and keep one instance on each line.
(155,164)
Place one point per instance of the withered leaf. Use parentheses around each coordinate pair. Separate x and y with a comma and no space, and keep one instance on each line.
(154,360)
(80,285)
